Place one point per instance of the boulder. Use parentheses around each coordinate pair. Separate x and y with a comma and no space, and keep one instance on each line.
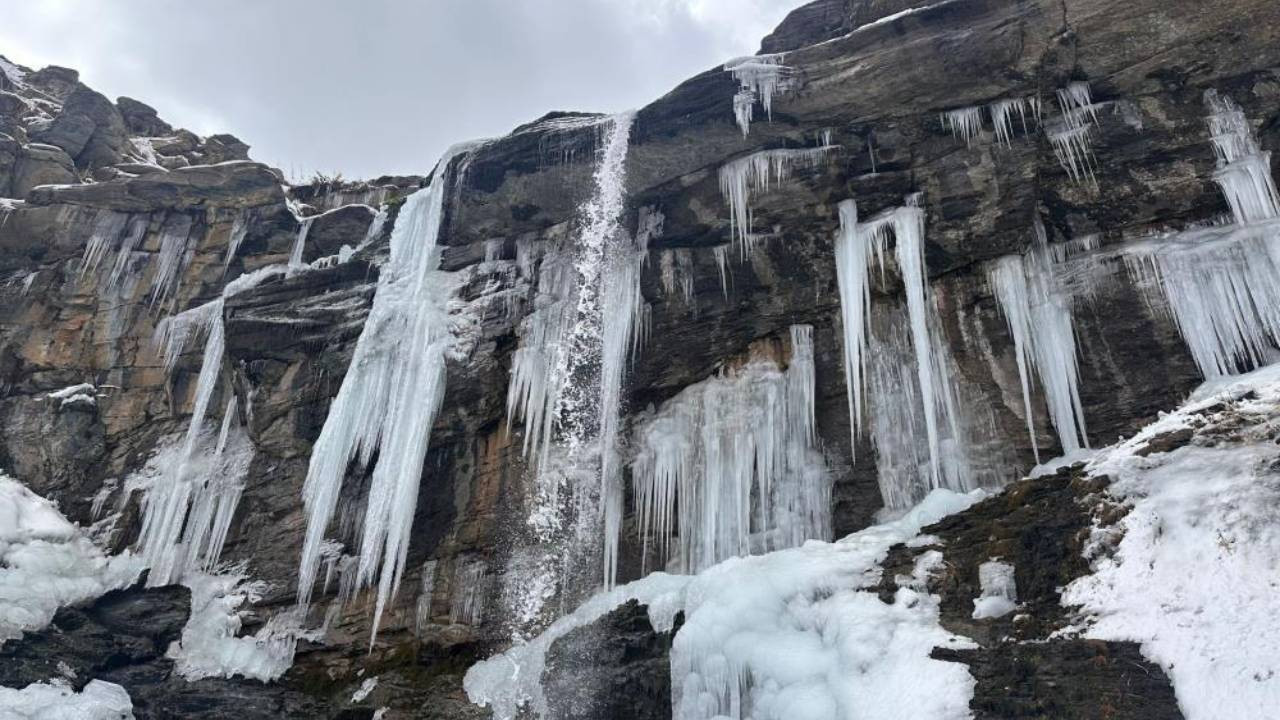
(179,143)
(42,165)
(223,148)
(89,128)
(141,119)
(56,81)
(347,225)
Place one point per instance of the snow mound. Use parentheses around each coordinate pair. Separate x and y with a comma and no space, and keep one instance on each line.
(40,701)
(46,562)
(798,634)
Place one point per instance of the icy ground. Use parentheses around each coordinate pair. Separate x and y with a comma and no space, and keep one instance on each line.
(40,701)
(1196,577)
(804,625)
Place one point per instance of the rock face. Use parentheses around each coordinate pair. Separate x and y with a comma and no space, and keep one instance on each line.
(869,76)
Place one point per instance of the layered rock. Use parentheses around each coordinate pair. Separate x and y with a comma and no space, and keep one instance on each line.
(865,77)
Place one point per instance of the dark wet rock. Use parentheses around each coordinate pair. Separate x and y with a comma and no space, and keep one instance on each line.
(613,669)
(1066,680)
(330,231)
(1025,666)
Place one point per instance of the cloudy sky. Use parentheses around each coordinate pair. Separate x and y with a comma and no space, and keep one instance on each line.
(367,87)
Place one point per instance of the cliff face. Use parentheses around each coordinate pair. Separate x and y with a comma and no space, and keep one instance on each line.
(869,77)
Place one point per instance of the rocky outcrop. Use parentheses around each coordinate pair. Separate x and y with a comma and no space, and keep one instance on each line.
(871,75)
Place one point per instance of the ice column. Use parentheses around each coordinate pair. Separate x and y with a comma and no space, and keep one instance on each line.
(1039,318)
(403,345)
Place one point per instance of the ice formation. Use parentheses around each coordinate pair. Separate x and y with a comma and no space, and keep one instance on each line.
(98,700)
(239,229)
(1039,318)
(742,178)
(964,123)
(47,563)
(187,510)
(1194,573)
(1220,282)
(777,636)
(731,463)
(300,242)
(760,78)
(859,245)
(999,591)
(1071,135)
(176,250)
(905,456)
(211,644)
(403,345)
(467,600)
(112,232)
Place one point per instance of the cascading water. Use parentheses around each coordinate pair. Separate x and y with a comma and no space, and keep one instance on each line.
(566,383)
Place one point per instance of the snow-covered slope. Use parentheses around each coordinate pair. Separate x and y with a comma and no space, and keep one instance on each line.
(1195,577)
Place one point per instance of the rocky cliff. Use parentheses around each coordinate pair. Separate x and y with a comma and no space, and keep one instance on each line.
(111,221)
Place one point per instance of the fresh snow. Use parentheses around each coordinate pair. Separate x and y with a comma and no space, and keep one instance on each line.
(1196,576)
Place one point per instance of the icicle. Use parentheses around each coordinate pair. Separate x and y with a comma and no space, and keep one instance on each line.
(403,345)
(1072,136)
(426,592)
(721,253)
(1244,169)
(106,230)
(239,229)
(1039,318)
(731,463)
(760,78)
(175,253)
(742,178)
(467,603)
(1002,118)
(964,123)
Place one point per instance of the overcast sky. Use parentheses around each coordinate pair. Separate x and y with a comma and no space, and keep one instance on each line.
(367,87)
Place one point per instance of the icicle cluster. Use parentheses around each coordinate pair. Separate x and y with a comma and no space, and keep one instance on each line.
(858,246)
(1071,136)
(1222,283)
(121,234)
(402,346)
(1039,318)
(742,178)
(759,77)
(729,467)
(187,512)
(966,123)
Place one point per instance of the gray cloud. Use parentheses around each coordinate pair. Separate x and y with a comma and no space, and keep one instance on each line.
(380,86)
